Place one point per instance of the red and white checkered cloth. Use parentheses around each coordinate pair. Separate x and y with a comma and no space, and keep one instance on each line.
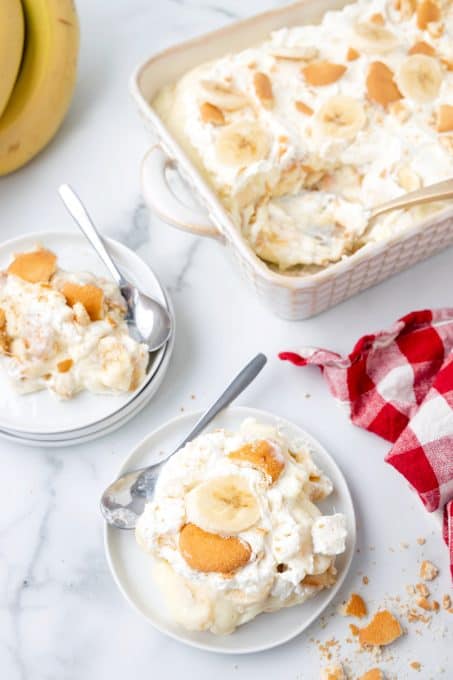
(398,383)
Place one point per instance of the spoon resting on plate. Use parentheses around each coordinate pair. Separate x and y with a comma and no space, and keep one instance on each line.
(149,322)
(124,500)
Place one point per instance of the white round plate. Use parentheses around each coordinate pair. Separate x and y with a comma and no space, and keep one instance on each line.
(130,565)
(41,413)
(116,420)
(107,426)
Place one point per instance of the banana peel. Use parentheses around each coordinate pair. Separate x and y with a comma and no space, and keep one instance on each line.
(45,83)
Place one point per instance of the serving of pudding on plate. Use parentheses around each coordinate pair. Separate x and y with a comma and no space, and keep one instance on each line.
(64,331)
(300,135)
(234,528)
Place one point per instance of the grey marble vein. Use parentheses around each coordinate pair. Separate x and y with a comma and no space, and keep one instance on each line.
(135,233)
(16,606)
(217,9)
(139,234)
(181,280)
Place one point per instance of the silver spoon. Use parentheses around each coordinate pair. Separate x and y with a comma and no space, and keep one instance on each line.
(124,500)
(433,192)
(149,322)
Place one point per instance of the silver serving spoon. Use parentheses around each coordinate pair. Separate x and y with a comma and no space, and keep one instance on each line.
(148,320)
(124,500)
(434,192)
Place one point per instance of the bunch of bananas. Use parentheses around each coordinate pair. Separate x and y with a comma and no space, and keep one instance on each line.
(39,43)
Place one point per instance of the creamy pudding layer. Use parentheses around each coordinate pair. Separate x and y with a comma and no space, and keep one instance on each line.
(235,530)
(300,135)
(64,331)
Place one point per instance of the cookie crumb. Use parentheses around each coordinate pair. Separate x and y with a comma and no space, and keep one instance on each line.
(333,673)
(428,570)
(422,589)
(446,602)
(355,606)
(383,629)
(423,603)
(37,266)
(421,540)
(365,580)
(415,617)
(372,674)
(415,665)
(354,629)
(89,296)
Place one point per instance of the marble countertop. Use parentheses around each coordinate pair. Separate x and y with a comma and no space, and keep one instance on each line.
(61,616)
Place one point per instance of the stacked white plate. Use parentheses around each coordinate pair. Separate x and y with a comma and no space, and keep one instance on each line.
(41,419)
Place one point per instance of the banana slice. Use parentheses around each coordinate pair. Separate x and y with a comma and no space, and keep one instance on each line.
(223,505)
(224,97)
(242,143)
(372,37)
(296,53)
(419,78)
(341,116)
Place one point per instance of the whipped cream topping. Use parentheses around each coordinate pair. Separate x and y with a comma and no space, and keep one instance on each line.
(329,534)
(284,565)
(52,345)
(379,152)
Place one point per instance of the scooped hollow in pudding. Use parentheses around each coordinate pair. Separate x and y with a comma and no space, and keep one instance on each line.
(234,529)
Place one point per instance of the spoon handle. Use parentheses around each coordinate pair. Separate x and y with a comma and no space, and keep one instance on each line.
(85,224)
(434,192)
(234,389)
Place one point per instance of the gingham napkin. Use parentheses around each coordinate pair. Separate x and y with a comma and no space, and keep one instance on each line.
(398,383)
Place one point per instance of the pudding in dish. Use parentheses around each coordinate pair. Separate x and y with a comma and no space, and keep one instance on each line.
(64,331)
(234,528)
(301,135)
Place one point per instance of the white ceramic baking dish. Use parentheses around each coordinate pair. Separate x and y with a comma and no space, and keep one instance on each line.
(289,296)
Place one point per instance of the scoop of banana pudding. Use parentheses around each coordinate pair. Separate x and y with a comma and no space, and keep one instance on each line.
(64,331)
(234,528)
(302,134)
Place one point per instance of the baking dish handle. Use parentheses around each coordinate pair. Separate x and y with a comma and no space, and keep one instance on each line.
(160,197)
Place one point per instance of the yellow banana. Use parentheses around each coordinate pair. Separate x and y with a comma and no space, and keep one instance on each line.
(11,47)
(45,84)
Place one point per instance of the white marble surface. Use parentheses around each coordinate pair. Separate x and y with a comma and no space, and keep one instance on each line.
(61,616)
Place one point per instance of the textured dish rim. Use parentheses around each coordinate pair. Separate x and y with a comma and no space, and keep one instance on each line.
(246,411)
(147,394)
(220,217)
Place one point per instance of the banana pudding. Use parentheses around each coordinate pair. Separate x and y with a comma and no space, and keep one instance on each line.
(234,529)
(65,332)
(300,136)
